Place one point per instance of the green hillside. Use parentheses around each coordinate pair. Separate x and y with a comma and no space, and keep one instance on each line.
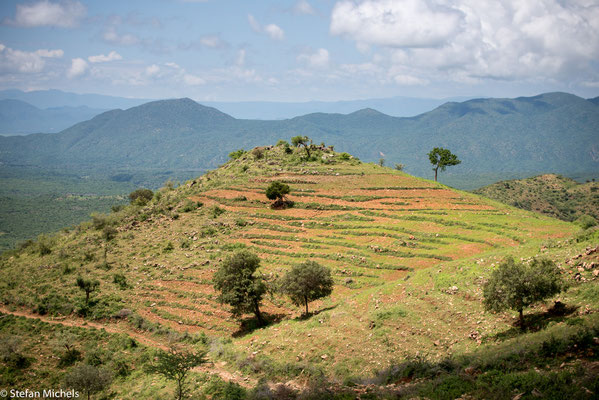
(550,194)
(408,257)
(489,136)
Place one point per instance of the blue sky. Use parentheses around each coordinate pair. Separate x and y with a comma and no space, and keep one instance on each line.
(299,50)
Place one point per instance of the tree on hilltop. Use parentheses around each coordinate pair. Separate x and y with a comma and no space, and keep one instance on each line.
(307,282)
(515,286)
(302,141)
(442,158)
(141,196)
(239,286)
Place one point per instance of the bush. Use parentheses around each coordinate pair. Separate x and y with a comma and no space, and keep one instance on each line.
(121,281)
(234,155)
(141,197)
(88,379)
(258,153)
(586,221)
(10,352)
(344,156)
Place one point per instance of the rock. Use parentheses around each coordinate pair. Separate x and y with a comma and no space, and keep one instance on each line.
(324,356)
(596,272)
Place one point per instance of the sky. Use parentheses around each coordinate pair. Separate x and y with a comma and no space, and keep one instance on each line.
(301,50)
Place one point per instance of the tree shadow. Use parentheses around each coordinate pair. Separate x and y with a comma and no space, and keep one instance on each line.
(538,321)
(250,324)
(304,317)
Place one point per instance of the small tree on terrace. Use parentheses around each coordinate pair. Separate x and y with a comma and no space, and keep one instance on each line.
(238,284)
(302,141)
(515,286)
(277,191)
(307,282)
(442,158)
(175,365)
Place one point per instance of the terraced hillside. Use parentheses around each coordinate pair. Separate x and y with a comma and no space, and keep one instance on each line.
(408,257)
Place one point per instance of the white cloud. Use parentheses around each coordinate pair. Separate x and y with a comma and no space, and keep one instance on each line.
(193,80)
(213,42)
(403,23)
(152,70)
(110,35)
(12,60)
(240,61)
(303,7)
(274,31)
(470,40)
(65,14)
(254,24)
(318,59)
(78,67)
(112,56)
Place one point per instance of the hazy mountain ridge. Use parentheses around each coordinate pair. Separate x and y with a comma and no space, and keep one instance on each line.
(18,117)
(552,132)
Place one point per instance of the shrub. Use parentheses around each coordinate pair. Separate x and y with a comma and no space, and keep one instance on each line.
(344,156)
(10,352)
(120,280)
(88,379)
(141,197)
(258,153)
(586,221)
(234,155)
(216,211)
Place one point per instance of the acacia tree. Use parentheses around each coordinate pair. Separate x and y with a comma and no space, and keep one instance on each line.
(175,364)
(442,158)
(307,282)
(515,286)
(302,141)
(238,284)
(277,191)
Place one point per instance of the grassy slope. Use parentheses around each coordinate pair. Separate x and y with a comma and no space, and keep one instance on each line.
(397,246)
(550,194)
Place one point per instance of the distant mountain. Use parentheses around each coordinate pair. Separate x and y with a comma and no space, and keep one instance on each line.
(395,106)
(265,110)
(57,98)
(18,117)
(553,132)
(549,194)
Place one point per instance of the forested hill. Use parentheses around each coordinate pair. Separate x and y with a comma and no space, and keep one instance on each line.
(553,132)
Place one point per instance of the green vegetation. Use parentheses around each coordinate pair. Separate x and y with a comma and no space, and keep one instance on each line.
(88,379)
(238,284)
(442,158)
(141,197)
(408,259)
(549,194)
(277,191)
(175,364)
(515,286)
(307,282)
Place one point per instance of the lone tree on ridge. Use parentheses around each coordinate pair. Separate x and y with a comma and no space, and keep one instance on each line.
(442,158)
(307,282)
(514,286)
(302,141)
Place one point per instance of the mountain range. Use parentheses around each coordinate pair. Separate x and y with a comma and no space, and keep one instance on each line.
(18,117)
(552,132)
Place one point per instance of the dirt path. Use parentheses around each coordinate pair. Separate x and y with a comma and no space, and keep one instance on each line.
(211,368)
